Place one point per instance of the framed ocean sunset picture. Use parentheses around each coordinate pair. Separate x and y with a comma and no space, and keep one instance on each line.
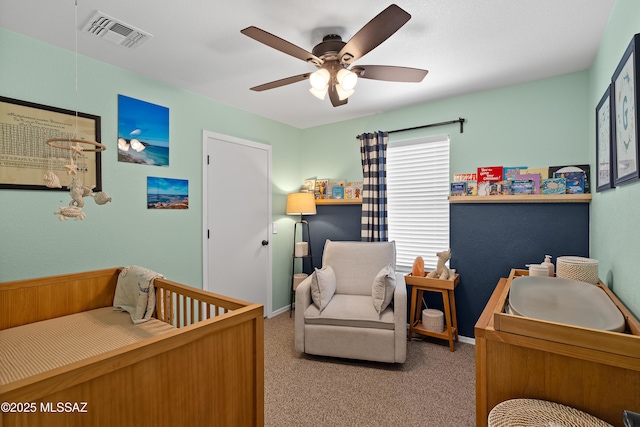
(143,132)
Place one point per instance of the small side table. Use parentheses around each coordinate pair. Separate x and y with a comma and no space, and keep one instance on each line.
(444,287)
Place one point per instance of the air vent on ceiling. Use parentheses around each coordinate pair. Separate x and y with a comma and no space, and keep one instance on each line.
(114,31)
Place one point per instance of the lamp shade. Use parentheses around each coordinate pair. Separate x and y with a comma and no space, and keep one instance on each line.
(301,204)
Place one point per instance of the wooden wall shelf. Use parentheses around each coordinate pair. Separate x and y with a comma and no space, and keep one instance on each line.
(525,198)
(339,202)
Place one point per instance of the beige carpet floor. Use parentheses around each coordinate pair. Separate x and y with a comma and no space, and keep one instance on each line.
(435,387)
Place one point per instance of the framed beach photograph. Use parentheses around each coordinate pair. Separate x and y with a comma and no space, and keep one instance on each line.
(167,193)
(604,178)
(25,157)
(143,132)
(625,112)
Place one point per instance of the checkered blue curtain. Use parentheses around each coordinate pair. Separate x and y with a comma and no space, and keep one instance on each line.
(373,153)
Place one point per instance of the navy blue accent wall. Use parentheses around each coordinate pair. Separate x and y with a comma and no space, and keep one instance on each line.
(487,241)
(333,222)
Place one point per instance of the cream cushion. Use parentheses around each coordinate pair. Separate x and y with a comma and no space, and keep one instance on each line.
(323,286)
(383,286)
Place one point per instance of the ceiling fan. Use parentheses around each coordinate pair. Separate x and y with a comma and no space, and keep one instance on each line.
(333,57)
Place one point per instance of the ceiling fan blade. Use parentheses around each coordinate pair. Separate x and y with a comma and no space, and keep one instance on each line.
(281,45)
(281,82)
(335,98)
(373,33)
(390,73)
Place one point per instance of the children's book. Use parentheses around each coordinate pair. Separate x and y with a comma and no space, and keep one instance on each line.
(459,188)
(489,174)
(487,177)
(573,168)
(459,177)
(543,172)
(337,192)
(522,186)
(554,186)
(321,189)
(309,186)
(472,188)
(534,177)
(575,181)
(354,188)
(509,173)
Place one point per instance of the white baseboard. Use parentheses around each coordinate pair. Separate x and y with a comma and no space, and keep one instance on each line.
(280,311)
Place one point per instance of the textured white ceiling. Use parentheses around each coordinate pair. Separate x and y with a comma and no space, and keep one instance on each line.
(467,46)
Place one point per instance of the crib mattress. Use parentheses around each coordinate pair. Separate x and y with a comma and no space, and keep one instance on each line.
(38,347)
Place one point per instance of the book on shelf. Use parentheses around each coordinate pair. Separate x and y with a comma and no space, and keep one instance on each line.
(309,186)
(487,177)
(459,177)
(522,186)
(554,186)
(337,192)
(553,170)
(459,188)
(543,172)
(575,181)
(489,174)
(321,189)
(534,177)
(354,189)
(500,188)
(509,173)
(335,183)
(472,188)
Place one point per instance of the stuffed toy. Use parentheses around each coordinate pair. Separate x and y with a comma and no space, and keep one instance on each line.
(442,271)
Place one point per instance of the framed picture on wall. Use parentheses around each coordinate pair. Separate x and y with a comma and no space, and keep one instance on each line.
(604,178)
(25,157)
(625,112)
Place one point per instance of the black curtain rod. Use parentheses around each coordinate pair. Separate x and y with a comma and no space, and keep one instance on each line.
(460,120)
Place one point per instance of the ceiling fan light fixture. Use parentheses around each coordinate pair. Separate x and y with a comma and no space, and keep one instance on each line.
(347,79)
(320,79)
(320,94)
(343,94)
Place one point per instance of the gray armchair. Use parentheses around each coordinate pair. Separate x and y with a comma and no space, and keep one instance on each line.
(349,324)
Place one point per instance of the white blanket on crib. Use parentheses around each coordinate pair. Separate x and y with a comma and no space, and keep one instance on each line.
(135,293)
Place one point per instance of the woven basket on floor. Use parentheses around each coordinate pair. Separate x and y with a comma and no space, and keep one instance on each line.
(577,268)
(433,320)
(533,412)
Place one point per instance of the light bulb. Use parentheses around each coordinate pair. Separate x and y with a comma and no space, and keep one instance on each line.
(320,94)
(319,79)
(343,94)
(347,79)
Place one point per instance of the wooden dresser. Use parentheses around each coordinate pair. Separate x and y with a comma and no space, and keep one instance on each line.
(597,372)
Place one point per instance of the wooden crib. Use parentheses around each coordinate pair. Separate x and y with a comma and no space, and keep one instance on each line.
(207,370)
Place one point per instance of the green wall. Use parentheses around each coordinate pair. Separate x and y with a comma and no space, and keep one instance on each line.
(34,243)
(535,124)
(615,234)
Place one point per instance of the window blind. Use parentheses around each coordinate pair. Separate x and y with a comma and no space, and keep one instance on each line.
(417,197)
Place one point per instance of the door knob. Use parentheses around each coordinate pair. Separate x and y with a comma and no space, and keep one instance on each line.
(265,242)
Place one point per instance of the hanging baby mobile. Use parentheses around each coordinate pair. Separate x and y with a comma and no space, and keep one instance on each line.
(77,190)
(76,148)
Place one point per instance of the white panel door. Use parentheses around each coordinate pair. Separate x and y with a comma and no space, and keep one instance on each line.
(238,218)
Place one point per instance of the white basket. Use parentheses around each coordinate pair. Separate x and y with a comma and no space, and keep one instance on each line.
(297,279)
(433,320)
(577,268)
